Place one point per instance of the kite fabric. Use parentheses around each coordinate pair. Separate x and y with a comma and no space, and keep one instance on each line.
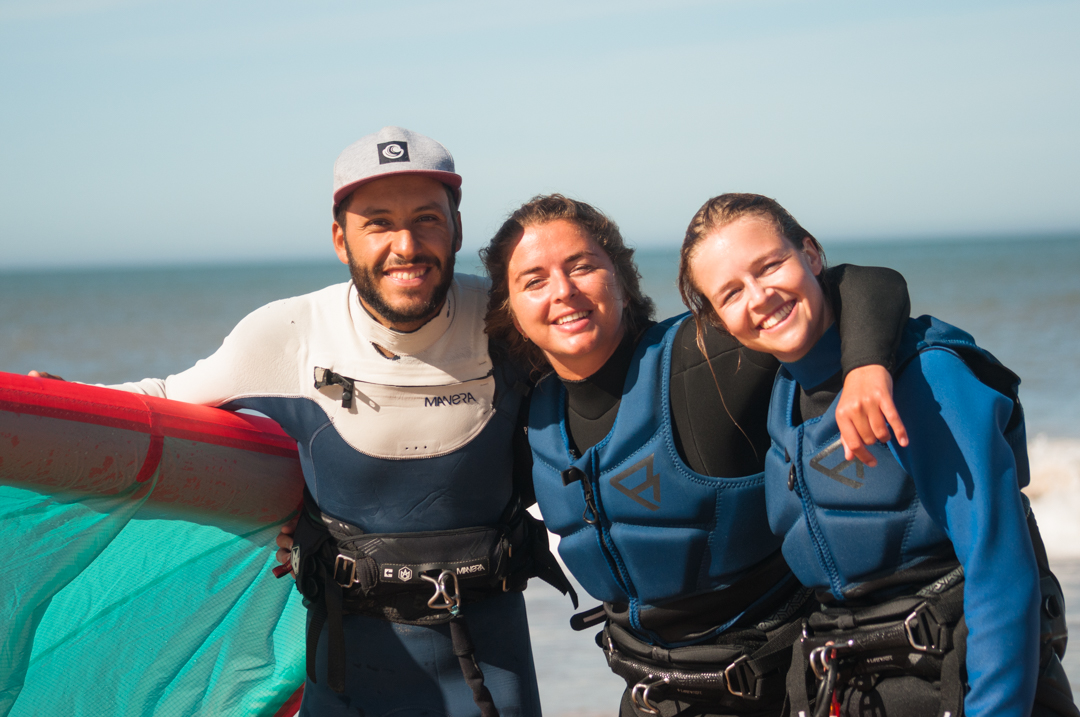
(137,578)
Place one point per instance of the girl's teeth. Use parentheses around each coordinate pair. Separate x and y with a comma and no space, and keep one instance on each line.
(778,316)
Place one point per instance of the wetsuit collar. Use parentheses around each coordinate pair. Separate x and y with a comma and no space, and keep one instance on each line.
(397,342)
(820,363)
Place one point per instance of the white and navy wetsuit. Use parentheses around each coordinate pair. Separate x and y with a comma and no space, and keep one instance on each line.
(425,445)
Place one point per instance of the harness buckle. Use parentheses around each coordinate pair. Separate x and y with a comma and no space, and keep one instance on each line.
(451,600)
(740,678)
(345,571)
(639,694)
(819,660)
(921,621)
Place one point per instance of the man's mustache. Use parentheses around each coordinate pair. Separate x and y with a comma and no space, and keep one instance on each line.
(421,260)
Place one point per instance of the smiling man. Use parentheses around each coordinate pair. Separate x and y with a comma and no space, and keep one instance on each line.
(413,545)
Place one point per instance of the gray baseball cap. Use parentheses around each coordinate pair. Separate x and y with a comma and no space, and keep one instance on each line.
(392,150)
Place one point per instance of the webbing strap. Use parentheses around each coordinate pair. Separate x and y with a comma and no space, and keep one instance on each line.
(335,633)
(327,610)
(316,620)
(796,681)
(465,651)
(952,687)
(702,674)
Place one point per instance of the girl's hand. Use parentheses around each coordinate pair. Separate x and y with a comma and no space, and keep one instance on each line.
(866,411)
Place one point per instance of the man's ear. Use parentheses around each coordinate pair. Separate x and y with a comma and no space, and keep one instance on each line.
(339,243)
(457,222)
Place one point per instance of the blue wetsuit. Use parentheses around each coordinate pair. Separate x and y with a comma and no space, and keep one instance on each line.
(847,527)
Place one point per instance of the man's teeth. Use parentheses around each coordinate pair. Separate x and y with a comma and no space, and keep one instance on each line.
(415,274)
(571,317)
(777,316)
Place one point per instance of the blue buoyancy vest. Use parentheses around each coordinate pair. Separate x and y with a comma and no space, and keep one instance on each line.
(843,522)
(467,487)
(637,525)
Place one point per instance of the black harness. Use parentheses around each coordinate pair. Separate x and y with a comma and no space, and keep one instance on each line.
(741,671)
(922,635)
(414,578)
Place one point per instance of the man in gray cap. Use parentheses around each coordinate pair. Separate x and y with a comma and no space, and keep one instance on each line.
(413,546)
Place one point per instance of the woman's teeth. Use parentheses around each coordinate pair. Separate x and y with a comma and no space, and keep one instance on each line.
(777,316)
(572,317)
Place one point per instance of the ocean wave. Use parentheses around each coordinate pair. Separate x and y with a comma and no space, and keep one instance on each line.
(1055,493)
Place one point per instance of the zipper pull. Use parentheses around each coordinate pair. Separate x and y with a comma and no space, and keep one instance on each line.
(590,503)
(574,474)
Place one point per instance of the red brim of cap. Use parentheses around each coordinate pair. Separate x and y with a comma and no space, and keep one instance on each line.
(448,178)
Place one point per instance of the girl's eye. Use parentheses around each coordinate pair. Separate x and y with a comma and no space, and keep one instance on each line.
(532,283)
(729,297)
(582,269)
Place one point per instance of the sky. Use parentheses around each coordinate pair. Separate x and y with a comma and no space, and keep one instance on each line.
(137,132)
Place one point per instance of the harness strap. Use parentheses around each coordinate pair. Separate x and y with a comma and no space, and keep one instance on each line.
(952,667)
(336,636)
(731,674)
(465,651)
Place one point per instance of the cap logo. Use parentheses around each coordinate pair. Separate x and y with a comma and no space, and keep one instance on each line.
(393,152)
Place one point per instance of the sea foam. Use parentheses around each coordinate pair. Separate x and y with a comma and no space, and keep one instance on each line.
(1055,493)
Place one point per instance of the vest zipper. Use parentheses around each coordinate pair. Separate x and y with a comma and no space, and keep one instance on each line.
(817,538)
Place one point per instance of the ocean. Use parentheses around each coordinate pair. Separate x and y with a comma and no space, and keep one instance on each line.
(1019,297)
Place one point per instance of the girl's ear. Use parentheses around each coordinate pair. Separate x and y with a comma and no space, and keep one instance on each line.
(813,256)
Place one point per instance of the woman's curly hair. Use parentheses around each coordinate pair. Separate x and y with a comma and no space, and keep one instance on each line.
(543,209)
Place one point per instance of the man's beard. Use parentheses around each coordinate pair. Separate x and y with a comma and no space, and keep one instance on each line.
(367,288)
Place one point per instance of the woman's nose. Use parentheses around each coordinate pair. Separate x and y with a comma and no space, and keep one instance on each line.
(756,292)
(563,286)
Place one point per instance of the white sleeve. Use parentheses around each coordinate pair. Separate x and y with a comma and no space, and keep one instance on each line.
(257,358)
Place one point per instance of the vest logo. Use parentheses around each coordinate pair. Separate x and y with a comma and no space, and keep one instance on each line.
(836,472)
(453,399)
(393,152)
(388,573)
(652,481)
(405,574)
(470,569)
